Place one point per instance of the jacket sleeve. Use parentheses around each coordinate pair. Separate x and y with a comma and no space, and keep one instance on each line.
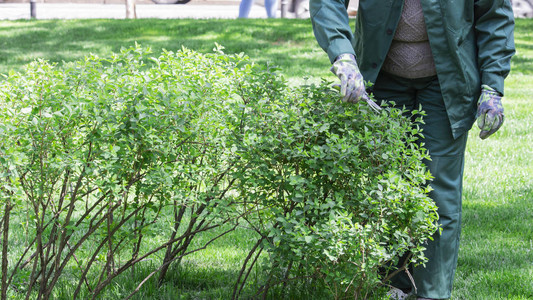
(494,27)
(331,26)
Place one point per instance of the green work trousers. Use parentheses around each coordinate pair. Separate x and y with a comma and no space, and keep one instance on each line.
(446,165)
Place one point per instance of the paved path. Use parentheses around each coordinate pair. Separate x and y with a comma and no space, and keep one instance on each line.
(228,10)
(198,9)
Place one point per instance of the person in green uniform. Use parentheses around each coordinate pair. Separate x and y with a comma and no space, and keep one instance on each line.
(450,57)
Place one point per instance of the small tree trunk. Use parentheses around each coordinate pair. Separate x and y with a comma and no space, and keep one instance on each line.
(130,9)
(5,240)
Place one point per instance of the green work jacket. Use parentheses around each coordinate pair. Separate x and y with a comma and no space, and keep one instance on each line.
(471,41)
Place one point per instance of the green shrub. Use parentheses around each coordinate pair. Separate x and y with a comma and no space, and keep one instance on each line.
(97,152)
(343,190)
(109,162)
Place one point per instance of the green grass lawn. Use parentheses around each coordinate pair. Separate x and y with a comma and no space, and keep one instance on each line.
(286,43)
(496,256)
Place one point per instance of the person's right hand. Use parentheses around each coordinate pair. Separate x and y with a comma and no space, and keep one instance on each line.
(352,87)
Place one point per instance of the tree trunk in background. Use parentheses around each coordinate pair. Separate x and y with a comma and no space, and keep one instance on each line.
(33,13)
(130,9)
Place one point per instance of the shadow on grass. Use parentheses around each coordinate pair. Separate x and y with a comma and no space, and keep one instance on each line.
(265,40)
(197,281)
(288,43)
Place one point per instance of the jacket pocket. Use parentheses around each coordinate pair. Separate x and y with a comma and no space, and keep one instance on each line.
(374,12)
(468,58)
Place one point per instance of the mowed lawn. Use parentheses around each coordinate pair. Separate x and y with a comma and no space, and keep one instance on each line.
(496,255)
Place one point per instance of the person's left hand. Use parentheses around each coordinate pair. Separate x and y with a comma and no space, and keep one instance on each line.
(489,112)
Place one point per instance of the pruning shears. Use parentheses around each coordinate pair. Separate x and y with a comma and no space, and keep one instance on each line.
(365,97)
(371,103)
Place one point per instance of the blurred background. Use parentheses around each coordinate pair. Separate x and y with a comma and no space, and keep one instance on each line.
(165,9)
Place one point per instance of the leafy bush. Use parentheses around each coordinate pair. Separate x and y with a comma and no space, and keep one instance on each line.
(96,152)
(343,190)
(109,162)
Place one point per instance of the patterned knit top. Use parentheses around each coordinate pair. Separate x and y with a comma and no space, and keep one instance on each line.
(410,54)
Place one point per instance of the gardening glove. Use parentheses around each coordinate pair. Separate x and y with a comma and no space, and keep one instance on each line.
(352,87)
(489,111)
